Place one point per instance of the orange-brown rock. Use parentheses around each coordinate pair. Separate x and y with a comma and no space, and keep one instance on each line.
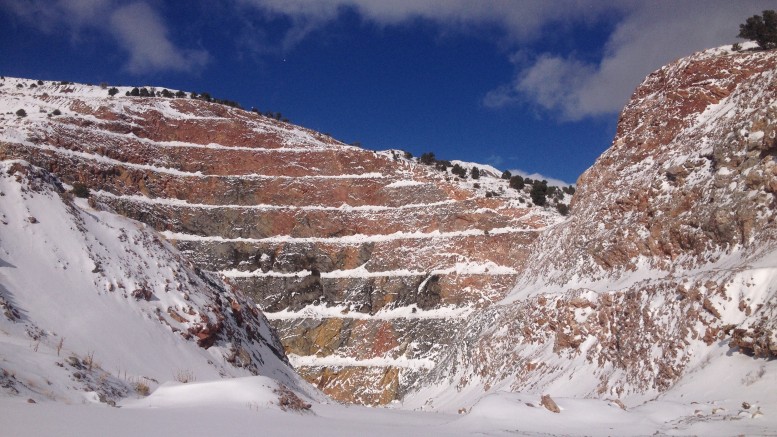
(550,404)
(670,247)
(357,257)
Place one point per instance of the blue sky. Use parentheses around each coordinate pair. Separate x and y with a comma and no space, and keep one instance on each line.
(534,86)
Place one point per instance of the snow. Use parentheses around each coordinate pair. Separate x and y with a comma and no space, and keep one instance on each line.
(110,161)
(339,311)
(344,207)
(175,172)
(462,268)
(404,183)
(757,135)
(230,407)
(252,390)
(349,239)
(485,169)
(340,361)
(70,272)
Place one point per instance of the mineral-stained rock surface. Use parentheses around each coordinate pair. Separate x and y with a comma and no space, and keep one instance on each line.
(387,279)
(366,263)
(670,251)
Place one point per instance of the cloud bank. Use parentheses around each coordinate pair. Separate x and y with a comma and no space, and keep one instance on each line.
(646,35)
(649,33)
(135,26)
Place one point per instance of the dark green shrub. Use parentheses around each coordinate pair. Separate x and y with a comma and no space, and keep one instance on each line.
(113,91)
(475,172)
(427,158)
(517,182)
(21,113)
(459,171)
(507,174)
(539,191)
(80,190)
(56,112)
(761,29)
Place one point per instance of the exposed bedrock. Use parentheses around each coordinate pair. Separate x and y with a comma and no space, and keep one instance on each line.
(367,263)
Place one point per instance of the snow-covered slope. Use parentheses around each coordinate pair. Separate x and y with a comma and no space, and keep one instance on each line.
(666,267)
(651,310)
(98,307)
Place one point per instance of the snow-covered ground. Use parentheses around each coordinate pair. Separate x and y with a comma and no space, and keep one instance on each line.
(700,405)
(95,307)
(74,342)
(94,311)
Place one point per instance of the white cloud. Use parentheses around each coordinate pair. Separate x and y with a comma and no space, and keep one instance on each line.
(519,20)
(651,34)
(548,83)
(495,160)
(135,26)
(140,31)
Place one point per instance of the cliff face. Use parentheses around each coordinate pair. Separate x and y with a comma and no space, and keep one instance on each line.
(668,259)
(386,278)
(365,263)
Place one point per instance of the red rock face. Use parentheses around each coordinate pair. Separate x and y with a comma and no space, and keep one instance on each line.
(365,262)
(665,255)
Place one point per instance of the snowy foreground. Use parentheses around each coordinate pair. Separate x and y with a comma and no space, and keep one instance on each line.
(79,355)
(248,405)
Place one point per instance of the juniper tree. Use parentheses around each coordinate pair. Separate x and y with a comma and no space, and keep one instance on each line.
(517,182)
(427,158)
(761,29)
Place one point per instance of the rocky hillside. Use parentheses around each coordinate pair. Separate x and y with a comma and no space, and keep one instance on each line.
(669,259)
(366,263)
(96,307)
(388,279)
